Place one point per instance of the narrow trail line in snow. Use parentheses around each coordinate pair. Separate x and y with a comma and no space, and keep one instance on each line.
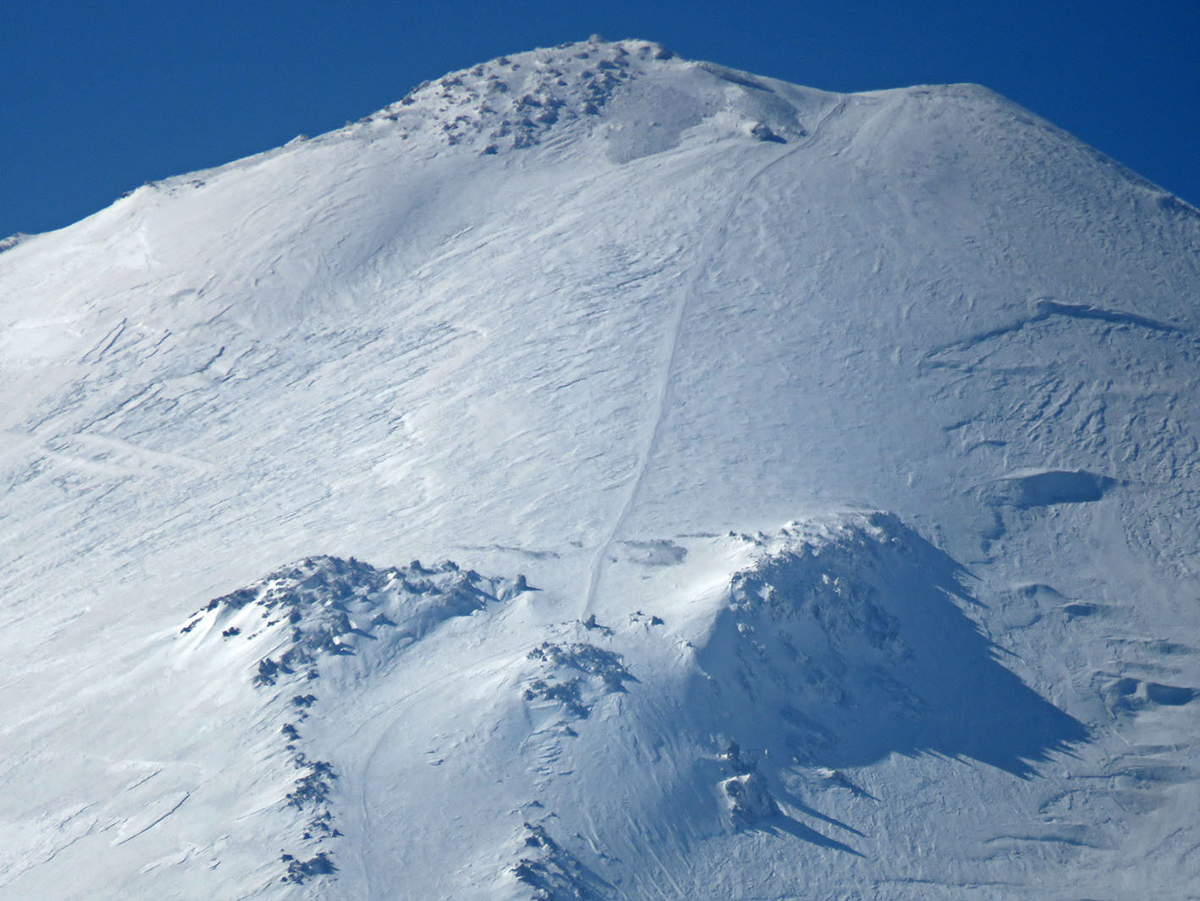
(708,253)
(398,719)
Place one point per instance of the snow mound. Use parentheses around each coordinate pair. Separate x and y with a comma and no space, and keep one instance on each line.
(330,606)
(320,608)
(748,798)
(840,648)
(1127,695)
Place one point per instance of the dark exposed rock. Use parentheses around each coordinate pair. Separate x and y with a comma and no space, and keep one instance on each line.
(576,676)
(324,607)
(551,872)
(300,870)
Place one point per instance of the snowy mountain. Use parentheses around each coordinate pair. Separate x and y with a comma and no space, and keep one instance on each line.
(806,484)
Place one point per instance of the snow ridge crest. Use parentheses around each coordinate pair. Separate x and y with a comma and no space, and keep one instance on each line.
(513,102)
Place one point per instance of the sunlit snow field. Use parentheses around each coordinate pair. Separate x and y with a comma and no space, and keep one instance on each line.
(606,475)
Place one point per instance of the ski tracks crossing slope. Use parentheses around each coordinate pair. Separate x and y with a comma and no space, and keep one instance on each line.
(710,249)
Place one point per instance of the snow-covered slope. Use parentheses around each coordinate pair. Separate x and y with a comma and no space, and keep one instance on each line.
(829,465)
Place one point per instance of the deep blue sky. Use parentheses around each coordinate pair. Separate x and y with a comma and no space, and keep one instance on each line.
(98,97)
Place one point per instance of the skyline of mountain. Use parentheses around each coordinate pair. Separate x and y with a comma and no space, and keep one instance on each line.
(103,98)
(602,474)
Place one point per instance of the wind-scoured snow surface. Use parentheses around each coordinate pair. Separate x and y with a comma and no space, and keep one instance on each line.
(644,346)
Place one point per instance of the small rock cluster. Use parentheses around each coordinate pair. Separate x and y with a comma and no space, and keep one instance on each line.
(552,872)
(575,675)
(512,102)
(326,607)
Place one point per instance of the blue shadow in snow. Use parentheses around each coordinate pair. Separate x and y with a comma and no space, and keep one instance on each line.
(841,652)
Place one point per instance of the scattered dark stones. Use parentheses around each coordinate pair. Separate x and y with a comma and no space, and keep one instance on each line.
(321,825)
(312,788)
(332,604)
(330,607)
(732,757)
(576,676)
(268,672)
(1128,695)
(300,870)
(552,872)
(566,693)
(639,617)
(471,107)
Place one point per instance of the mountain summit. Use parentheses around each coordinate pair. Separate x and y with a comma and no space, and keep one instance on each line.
(638,94)
(805,484)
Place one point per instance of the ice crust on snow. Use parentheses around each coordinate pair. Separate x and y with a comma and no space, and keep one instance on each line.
(609,317)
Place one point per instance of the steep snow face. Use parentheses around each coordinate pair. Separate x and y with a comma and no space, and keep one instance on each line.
(608,318)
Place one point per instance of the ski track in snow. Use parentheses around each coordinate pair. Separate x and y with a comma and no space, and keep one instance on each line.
(705,258)
(397,721)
